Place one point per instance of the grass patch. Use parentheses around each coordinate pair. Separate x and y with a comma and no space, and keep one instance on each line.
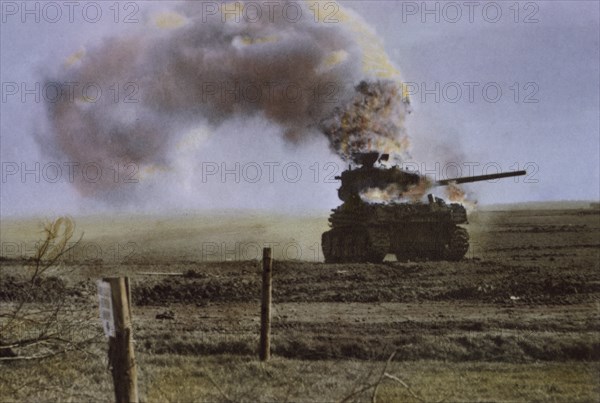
(179,378)
(487,347)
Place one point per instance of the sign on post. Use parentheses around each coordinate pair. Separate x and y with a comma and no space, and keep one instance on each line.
(106,309)
(114,296)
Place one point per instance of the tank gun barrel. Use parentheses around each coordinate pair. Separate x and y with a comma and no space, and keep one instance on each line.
(479,178)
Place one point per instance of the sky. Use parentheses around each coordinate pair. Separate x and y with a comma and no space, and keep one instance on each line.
(493,86)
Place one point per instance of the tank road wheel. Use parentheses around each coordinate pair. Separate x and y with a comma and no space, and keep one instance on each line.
(350,247)
(338,246)
(329,247)
(375,257)
(348,254)
(406,255)
(347,247)
(458,245)
(358,248)
(376,249)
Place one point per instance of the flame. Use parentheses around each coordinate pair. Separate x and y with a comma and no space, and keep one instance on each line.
(376,195)
(456,194)
(373,119)
(416,192)
(393,193)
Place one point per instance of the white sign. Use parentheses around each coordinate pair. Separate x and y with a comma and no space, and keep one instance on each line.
(106,310)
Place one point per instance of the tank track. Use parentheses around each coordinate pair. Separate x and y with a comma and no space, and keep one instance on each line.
(359,245)
(457,246)
(353,245)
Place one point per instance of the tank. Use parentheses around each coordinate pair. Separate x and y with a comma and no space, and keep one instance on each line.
(367,232)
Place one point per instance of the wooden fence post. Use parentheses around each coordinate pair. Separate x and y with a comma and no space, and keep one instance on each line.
(265,312)
(120,347)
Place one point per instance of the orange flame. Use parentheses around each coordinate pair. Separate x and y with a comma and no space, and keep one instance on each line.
(394,193)
(456,194)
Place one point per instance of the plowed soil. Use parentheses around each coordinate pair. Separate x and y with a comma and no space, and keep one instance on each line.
(529,289)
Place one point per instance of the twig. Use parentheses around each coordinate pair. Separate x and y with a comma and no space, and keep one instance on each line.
(387,363)
(354,392)
(358,392)
(32,357)
(218,388)
(401,382)
(368,386)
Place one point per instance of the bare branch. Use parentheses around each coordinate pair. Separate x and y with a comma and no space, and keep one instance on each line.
(401,382)
(218,388)
(36,333)
(387,363)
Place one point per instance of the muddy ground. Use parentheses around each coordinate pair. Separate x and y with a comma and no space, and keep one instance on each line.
(531,292)
(528,291)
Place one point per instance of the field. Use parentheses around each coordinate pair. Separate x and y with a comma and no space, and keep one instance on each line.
(517,320)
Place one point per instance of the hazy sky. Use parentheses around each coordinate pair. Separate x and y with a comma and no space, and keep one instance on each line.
(542,56)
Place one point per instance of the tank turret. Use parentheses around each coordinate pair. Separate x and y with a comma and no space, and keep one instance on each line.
(367,175)
(366,232)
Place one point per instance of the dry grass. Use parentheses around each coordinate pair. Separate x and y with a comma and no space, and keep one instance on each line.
(517,321)
(226,236)
(175,378)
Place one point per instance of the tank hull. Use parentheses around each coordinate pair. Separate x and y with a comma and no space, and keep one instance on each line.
(368,232)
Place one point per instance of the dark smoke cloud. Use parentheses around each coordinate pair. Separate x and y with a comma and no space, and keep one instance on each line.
(372,121)
(207,72)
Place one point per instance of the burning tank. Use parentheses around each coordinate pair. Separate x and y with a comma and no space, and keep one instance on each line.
(367,232)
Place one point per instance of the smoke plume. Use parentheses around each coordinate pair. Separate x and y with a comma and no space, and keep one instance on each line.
(372,121)
(192,70)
